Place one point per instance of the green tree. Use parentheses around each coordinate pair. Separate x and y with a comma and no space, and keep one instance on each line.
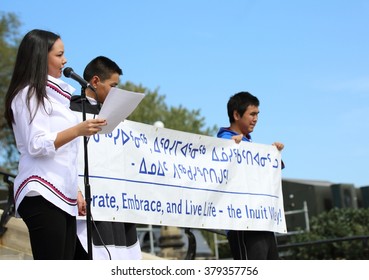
(336,223)
(153,108)
(9,40)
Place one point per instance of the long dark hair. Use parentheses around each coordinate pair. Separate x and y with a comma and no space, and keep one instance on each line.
(30,69)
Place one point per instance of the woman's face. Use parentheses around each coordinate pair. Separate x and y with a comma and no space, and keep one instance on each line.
(56,59)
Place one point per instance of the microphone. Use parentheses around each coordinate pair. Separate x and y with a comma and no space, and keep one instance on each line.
(69,73)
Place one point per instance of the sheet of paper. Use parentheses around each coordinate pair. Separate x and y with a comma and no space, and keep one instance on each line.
(118,105)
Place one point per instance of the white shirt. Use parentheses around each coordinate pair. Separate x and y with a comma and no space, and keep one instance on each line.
(42,169)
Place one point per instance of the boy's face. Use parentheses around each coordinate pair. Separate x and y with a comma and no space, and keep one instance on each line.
(247,122)
(103,87)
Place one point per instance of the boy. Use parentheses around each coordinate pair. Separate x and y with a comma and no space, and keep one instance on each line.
(118,240)
(243,112)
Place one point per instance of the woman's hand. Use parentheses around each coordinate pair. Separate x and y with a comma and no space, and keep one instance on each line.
(90,127)
(81,203)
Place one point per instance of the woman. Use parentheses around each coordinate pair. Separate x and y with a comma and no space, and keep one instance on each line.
(46,133)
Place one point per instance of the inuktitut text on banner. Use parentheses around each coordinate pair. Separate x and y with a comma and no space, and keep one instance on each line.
(148,175)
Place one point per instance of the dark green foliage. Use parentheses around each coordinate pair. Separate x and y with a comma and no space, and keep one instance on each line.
(9,40)
(153,108)
(337,223)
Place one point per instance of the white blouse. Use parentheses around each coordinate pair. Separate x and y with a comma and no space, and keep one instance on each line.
(42,169)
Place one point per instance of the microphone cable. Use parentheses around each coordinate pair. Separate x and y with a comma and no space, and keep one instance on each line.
(100,237)
(98,105)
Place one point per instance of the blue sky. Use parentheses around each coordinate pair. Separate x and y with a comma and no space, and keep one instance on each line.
(307,61)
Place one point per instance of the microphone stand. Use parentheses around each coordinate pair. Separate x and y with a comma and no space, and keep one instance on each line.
(86,180)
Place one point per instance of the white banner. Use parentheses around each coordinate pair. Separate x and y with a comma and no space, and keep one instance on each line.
(148,175)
